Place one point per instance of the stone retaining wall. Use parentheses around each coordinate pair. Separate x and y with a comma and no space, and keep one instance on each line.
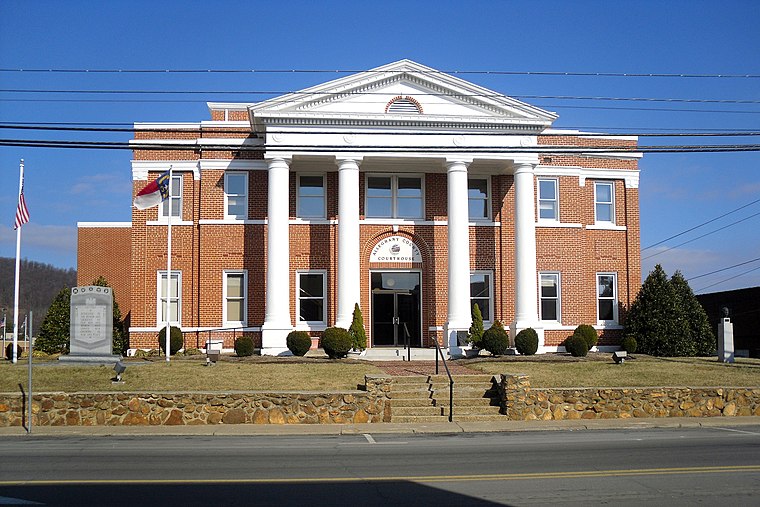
(130,409)
(521,402)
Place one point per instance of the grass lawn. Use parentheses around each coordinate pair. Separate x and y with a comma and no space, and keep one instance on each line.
(598,370)
(185,374)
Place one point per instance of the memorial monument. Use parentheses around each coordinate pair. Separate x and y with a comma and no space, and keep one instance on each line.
(91,328)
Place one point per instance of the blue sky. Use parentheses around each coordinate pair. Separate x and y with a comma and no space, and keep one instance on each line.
(677,191)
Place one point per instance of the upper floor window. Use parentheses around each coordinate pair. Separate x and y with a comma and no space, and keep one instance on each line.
(604,202)
(477,198)
(169,300)
(311,196)
(606,296)
(481,293)
(550,296)
(394,197)
(174,202)
(548,199)
(311,305)
(235,298)
(236,195)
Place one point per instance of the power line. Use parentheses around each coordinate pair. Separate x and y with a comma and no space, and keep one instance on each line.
(724,269)
(701,225)
(728,279)
(377,71)
(700,237)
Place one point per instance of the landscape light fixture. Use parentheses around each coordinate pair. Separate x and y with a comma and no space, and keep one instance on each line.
(212,356)
(119,368)
(620,356)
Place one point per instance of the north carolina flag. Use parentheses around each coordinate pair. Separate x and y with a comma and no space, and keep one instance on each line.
(154,193)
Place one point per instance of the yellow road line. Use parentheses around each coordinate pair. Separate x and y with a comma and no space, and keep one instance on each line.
(416,478)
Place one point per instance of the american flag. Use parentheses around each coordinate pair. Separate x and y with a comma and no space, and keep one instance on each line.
(22,213)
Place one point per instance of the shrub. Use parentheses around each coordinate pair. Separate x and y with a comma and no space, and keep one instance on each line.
(244,346)
(358,334)
(628,344)
(526,341)
(576,345)
(496,340)
(299,342)
(589,334)
(475,334)
(337,342)
(175,340)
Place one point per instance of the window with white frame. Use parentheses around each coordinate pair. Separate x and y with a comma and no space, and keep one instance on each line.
(311,305)
(169,300)
(550,296)
(548,199)
(235,298)
(311,196)
(606,297)
(477,198)
(174,202)
(393,197)
(604,202)
(481,293)
(236,195)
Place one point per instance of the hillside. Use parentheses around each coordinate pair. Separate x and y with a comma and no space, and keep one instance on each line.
(39,285)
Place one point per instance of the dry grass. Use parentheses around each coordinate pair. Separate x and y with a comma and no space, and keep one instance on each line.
(286,374)
(598,370)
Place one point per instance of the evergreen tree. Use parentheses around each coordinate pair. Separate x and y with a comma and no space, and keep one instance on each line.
(357,332)
(476,329)
(701,336)
(53,337)
(655,318)
(120,336)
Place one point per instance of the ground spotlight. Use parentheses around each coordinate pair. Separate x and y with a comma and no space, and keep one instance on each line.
(119,368)
(620,356)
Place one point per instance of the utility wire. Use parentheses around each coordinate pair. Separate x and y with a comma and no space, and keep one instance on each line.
(701,225)
(702,236)
(728,279)
(724,269)
(376,71)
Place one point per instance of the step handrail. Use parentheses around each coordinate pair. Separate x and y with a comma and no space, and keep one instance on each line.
(451,379)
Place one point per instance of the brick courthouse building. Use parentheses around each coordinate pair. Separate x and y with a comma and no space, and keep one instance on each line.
(411,192)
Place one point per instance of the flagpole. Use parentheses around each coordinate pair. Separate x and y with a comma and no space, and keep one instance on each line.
(14,354)
(169,270)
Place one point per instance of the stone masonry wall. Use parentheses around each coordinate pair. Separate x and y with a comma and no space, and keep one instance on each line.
(520,402)
(156,409)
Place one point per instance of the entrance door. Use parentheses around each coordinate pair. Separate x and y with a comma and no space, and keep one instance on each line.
(395,309)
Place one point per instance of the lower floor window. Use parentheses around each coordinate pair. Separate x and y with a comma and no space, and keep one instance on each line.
(311,297)
(481,293)
(169,300)
(606,287)
(550,296)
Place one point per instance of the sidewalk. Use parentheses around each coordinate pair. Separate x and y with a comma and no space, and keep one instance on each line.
(384,428)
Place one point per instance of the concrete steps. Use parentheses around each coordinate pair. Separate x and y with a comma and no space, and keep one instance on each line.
(425,399)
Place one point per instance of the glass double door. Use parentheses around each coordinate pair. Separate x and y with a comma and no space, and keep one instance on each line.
(395,309)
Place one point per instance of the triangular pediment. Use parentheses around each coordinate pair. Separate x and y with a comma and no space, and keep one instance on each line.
(402,92)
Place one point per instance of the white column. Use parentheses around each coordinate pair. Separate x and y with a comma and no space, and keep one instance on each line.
(459,316)
(348,240)
(277,323)
(526,277)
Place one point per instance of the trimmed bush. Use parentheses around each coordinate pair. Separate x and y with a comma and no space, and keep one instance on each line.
(336,342)
(576,345)
(244,346)
(298,342)
(526,342)
(175,340)
(589,334)
(496,340)
(628,344)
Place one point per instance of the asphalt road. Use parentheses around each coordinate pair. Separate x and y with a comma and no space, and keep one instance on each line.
(711,466)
